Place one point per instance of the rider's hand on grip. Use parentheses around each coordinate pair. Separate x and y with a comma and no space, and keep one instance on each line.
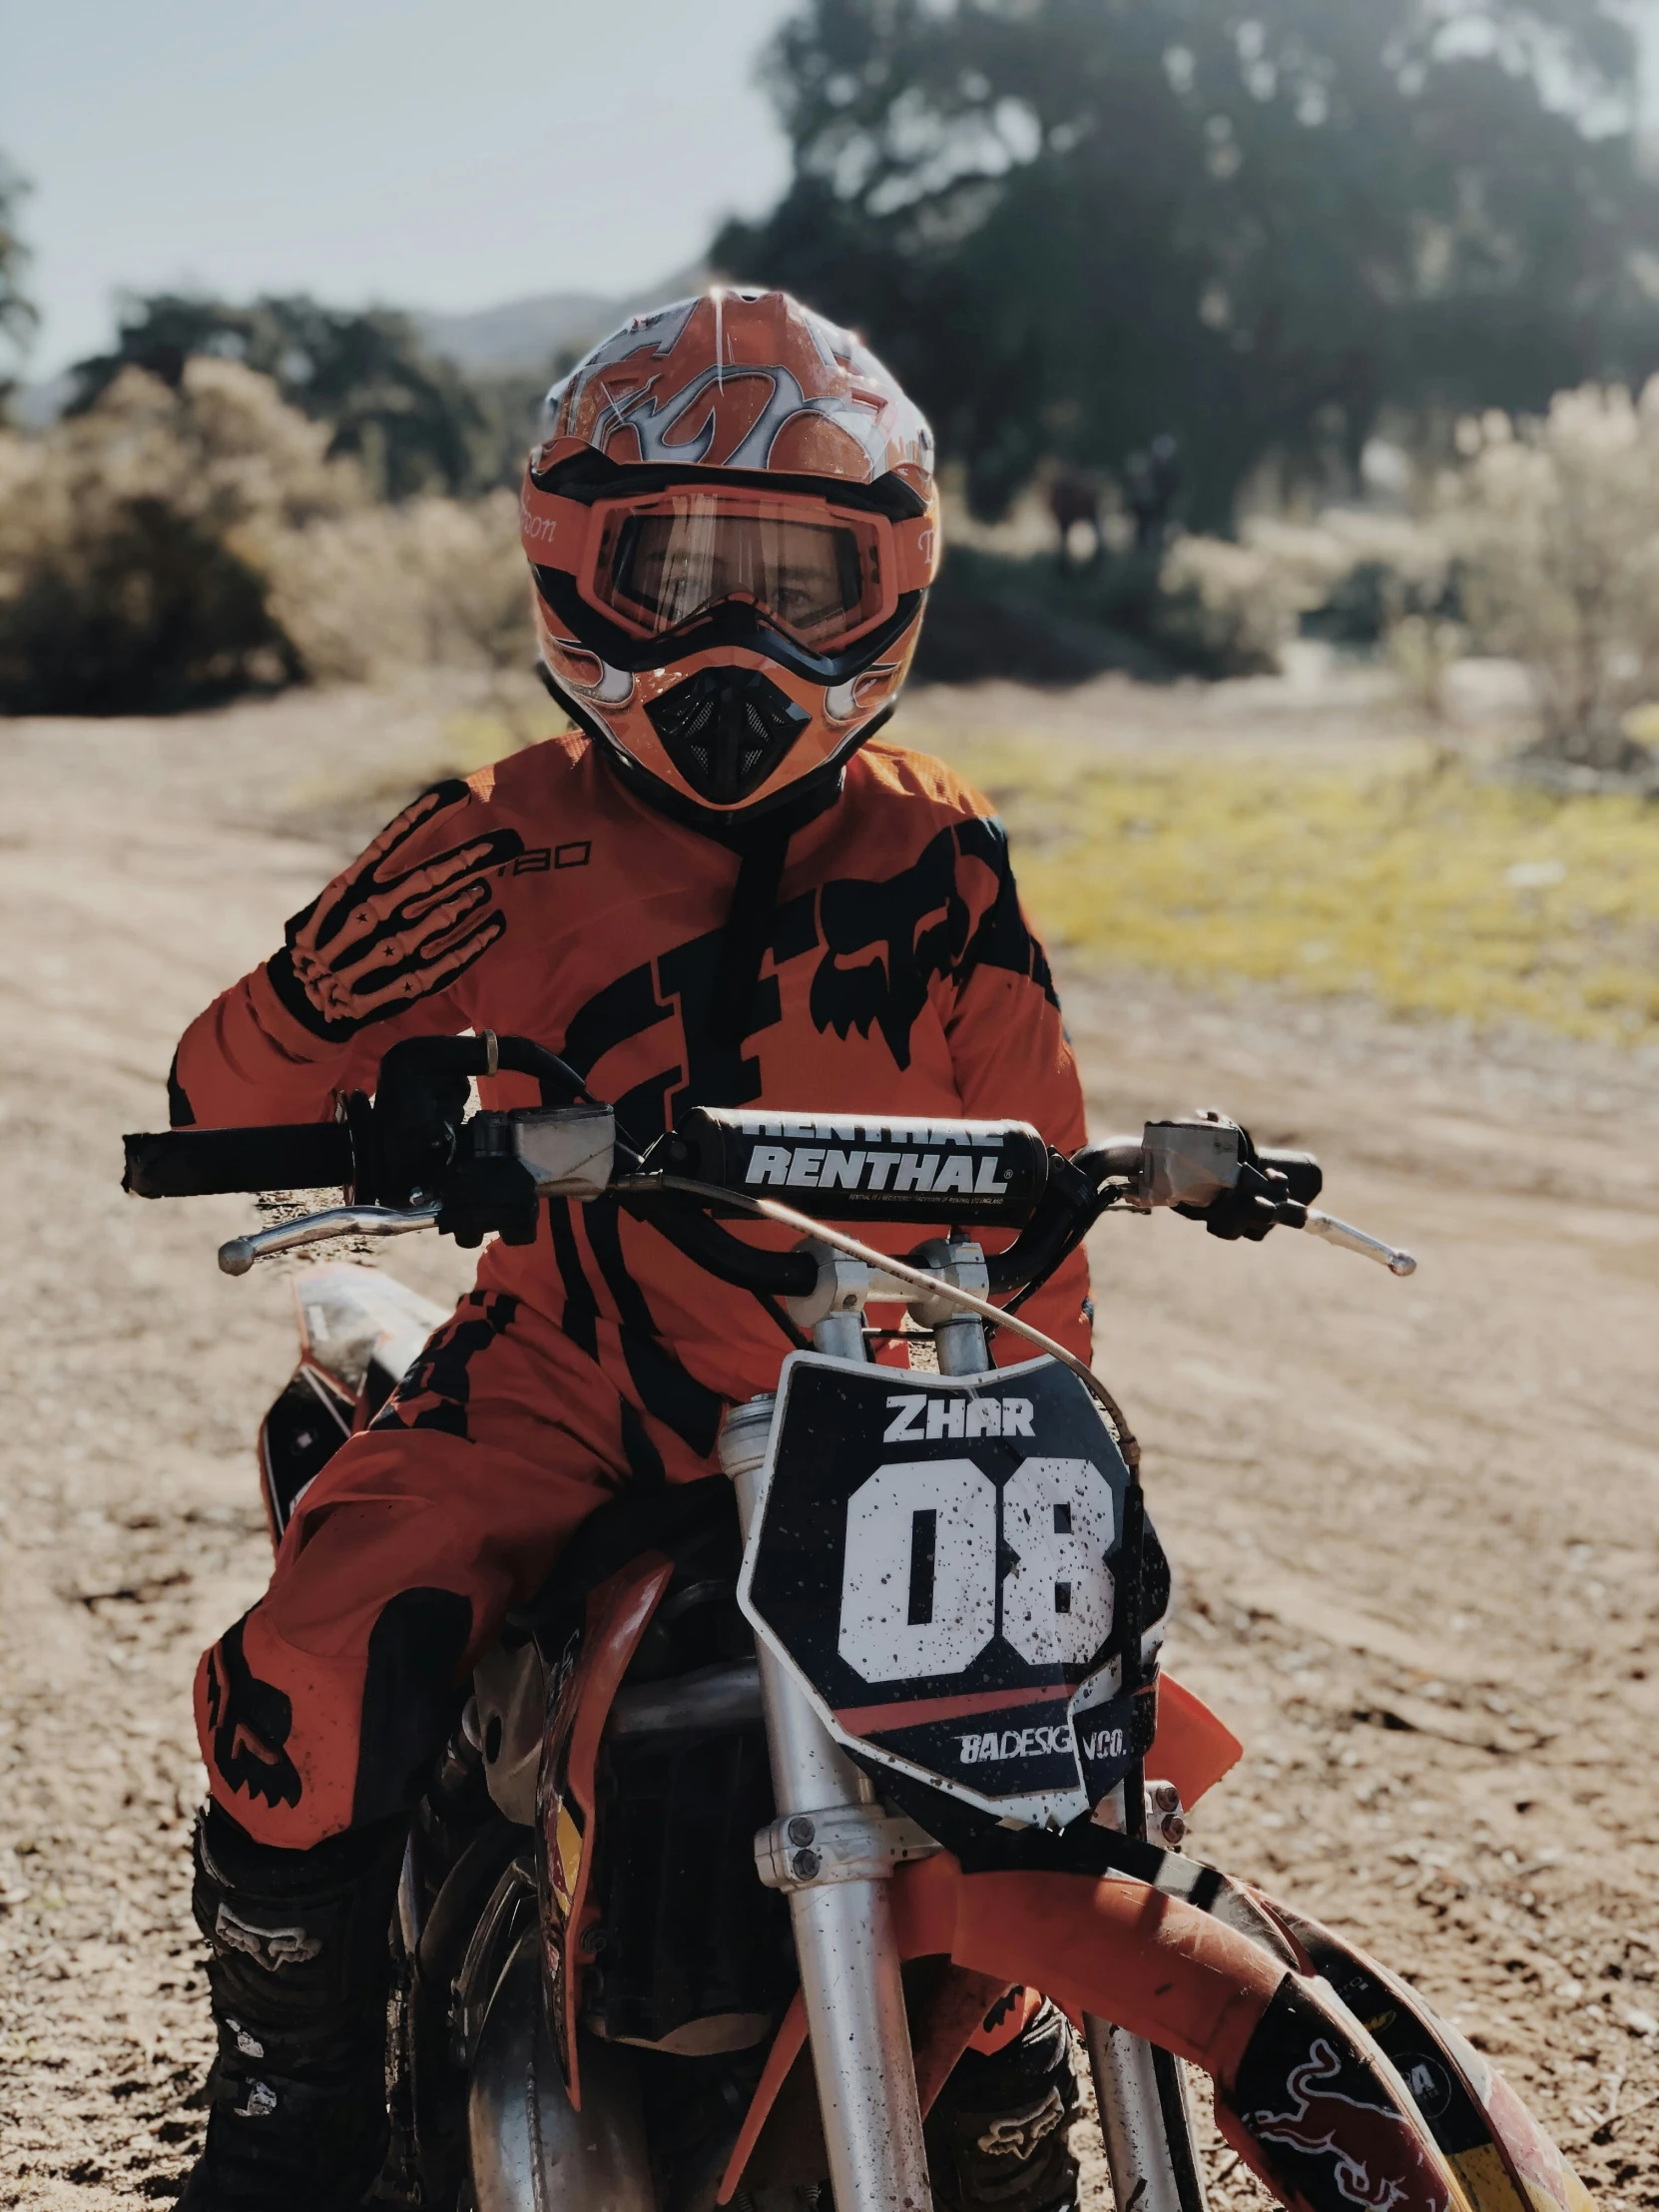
(1247,1212)
(419,1107)
(489,1188)
(1257,1203)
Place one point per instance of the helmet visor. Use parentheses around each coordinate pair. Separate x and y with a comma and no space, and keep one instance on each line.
(814,571)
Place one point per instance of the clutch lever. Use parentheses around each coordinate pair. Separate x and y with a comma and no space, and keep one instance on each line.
(237,1256)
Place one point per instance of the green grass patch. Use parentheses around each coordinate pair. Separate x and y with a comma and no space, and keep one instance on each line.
(1421,884)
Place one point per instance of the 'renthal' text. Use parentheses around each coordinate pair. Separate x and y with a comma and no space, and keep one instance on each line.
(835,1168)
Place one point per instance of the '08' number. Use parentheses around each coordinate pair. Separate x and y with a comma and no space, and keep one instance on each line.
(919,1585)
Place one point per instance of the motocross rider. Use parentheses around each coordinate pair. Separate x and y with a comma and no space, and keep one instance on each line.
(722,888)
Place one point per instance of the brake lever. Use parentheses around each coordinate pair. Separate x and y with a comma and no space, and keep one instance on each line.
(1291,1213)
(237,1256)
(1205,1161)
(1332,1231)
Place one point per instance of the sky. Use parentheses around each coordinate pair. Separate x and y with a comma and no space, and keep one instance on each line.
(444,154)
(448,154)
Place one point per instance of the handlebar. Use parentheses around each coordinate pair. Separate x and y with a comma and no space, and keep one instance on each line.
(201,1163)
(412,1158)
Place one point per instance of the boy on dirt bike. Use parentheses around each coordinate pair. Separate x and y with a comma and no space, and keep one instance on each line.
(720,889)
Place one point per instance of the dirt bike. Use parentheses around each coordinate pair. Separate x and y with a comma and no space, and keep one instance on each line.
(787,1774)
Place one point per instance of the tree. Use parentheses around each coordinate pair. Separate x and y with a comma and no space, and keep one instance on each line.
(413,421)
(1072,225)
(17,312)
(135,539)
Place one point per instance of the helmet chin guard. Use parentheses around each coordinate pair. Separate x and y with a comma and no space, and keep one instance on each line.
(726,730)
(733,525)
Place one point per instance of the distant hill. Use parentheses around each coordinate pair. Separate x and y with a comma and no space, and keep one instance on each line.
(533,333)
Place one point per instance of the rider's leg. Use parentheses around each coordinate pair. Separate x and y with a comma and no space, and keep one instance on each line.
(324,1708)
(322,1712)
(997,2133)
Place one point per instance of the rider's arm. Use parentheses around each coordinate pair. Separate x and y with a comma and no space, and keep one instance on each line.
(381,953)
(1011,1058)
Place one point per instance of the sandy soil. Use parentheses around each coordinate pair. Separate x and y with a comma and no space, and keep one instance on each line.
(1415,1523)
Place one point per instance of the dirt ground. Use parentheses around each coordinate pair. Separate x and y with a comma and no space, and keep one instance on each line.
(1415,1523)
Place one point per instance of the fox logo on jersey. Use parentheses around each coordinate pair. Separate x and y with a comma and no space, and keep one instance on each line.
(249,1722)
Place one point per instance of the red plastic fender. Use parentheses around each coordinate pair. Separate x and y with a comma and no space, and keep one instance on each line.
(1309,2100)
(1152,1963)
(1302,2092)
(1193,1747)
(1147,1961)
(618,1613)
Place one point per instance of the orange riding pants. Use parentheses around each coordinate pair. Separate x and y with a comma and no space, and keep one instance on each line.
(325,1706)
(327,1703)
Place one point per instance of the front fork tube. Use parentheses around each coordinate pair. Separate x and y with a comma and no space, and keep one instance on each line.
(843,1938)
(1145,2121)
(860,2039)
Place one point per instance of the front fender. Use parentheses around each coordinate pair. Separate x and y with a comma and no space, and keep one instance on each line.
(1495,2145)
(1305,2092)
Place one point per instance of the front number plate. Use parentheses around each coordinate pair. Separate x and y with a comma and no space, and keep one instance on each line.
(933,1559)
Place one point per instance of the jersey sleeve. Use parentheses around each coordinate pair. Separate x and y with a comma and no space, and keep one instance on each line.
(1013,1061)
(382,953)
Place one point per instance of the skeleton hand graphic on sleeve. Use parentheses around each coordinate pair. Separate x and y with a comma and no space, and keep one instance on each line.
(388,930)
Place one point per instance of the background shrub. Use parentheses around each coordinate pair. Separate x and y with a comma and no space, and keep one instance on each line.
(1556,524)
(172,544)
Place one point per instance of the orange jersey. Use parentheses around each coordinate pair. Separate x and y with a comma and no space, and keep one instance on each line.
(541,899)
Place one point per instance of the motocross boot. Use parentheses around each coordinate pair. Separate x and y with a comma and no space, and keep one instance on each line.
(299,1976)
(997,2134)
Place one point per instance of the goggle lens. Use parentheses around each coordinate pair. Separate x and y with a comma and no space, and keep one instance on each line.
(662,566)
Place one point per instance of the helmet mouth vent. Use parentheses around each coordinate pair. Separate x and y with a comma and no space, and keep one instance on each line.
(726,729)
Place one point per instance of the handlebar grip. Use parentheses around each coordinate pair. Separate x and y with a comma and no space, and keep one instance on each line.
(194,1163)
(1300,1168)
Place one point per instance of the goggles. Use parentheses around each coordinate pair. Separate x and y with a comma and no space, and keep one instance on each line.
(655,563)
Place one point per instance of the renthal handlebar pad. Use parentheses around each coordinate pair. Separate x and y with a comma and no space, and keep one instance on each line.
(991,1172)
(191,1163)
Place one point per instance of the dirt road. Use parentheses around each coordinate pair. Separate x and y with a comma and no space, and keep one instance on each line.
(1415,1523)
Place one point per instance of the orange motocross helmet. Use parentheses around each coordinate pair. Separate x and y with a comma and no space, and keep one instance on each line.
(733,525)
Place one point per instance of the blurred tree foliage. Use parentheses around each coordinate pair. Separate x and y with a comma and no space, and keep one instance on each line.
(416,423)
(1071,225)
(174,544)
(17,313)
(133,543)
